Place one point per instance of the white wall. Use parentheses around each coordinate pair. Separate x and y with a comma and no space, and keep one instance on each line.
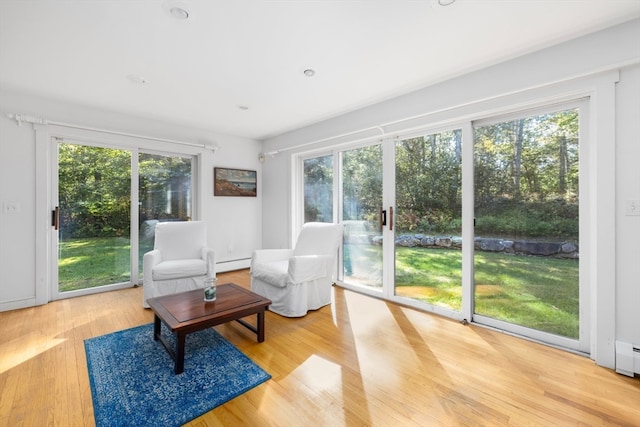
(234,223)
(616,48)
(628,188)
(17,231)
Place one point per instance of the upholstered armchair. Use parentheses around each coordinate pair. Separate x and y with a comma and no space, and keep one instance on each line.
(180,259)
(300,279)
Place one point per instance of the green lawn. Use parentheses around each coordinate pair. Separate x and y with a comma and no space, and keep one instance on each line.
(540,293)
(536,292)
(90,262)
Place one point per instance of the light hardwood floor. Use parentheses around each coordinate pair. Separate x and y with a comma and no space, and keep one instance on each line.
(359,362)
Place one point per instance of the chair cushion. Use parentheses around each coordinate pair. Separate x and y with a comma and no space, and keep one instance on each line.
(180,239)
(179,268)
(274,273)
(317,238)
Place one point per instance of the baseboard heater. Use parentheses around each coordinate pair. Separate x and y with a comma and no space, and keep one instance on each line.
(234,264)
(627,358)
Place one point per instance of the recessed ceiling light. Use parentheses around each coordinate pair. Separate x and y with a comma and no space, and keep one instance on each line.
(445,2)
(309,72)
(179,13)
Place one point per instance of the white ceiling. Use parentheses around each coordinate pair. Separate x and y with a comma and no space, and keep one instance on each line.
(252,53)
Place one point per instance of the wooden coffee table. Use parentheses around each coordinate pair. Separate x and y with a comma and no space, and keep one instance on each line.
(187,312)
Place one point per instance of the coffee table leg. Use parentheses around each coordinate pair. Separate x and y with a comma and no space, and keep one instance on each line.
(261,326)
(156,327)
(180,339)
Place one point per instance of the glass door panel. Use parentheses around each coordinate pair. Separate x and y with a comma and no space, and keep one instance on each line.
(361,188)
(318,189)
(428,219)
(526,258)
(94,199)
(165,194)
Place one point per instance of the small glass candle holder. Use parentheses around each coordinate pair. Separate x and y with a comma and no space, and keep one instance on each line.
(210,289)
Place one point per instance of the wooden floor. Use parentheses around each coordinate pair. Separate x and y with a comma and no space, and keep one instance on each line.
(359,362)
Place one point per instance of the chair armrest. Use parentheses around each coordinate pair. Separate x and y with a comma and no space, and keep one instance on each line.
(149,260)
(261,256)
(303,268)
(208,256)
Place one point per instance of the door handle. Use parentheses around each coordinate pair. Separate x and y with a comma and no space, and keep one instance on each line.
(55,218)
(383,218)
(390,218)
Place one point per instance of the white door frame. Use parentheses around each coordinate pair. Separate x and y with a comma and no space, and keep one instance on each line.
(46,236)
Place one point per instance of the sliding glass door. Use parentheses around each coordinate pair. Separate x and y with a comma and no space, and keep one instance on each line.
(318,188)
(428,219)
(98,247)
(165,194)
(93,216)
(514,264)
(362,215)
(526,262)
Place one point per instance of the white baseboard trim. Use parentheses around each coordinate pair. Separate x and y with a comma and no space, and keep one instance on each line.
(18,304)
(236,264)
(627,359)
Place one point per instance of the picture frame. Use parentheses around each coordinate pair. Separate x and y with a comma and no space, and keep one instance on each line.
(228,182)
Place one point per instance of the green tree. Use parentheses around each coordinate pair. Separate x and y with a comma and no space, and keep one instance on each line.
(94,190)
(164,187)
(526,176)
(318,189)
(362,183)
(428,181)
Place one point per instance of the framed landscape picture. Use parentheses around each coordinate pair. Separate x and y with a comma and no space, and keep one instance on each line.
(235,182)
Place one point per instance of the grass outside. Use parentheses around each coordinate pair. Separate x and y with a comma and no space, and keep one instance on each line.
(91,262)
(535,292)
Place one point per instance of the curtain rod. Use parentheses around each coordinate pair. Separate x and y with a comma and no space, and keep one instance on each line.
(25,118)
(273,153)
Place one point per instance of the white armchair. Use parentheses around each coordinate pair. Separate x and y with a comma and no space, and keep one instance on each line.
(180,259)
(297,280)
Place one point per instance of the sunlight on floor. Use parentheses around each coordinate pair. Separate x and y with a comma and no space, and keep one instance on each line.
(20,350)
(317,381)
(320,374)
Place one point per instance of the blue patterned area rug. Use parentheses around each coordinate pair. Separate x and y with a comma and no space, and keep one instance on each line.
(133,384)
